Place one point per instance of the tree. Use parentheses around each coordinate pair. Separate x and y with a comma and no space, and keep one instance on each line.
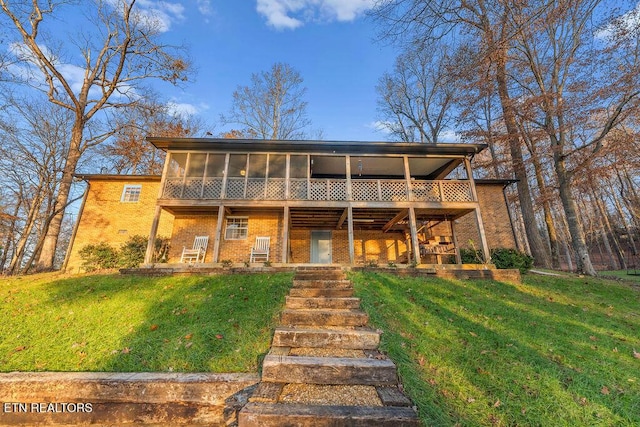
(129,152)
(272,107)
(415,100)
(109,57)
(488,26)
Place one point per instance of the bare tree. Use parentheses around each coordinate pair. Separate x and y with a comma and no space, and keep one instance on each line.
(489,26)
(415,100)
(272,107)
(101,64)
(129,152)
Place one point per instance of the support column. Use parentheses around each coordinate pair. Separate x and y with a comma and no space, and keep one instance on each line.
(415,245)
(285,236)
(479,223)
(218,236)
(148,256)
(456,248)
(352,250)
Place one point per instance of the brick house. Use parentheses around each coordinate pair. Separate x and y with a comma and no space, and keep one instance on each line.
(349,203)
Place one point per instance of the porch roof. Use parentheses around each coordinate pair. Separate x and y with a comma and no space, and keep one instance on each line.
(317,146)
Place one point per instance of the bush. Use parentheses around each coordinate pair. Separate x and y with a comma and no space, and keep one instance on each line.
(130,255)
(471,256)
(511,258)
(99,256)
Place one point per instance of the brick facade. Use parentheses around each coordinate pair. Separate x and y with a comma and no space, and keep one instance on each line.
(105,218)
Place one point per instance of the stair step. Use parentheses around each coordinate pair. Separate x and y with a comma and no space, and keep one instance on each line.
(340,303)
(328,370)
(323,284)
(317,275)
(363,339)
(317,292)
(324,317)
(272,414)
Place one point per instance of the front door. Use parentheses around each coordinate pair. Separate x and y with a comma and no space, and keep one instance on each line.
(321,247)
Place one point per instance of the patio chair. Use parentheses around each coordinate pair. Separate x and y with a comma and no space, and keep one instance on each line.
(260,250)
(197,253)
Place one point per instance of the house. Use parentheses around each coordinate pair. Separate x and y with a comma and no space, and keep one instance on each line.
(320,202)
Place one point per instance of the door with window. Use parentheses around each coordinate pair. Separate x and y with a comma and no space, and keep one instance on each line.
(321,247)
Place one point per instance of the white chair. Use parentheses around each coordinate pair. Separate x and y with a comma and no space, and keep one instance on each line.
(261,249)
(197,253)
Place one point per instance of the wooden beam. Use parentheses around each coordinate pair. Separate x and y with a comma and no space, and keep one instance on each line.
(285,235)
(352,251)
(342,218)
(399,217)
(456,248)
(218,237)
(480,224)
(415,245)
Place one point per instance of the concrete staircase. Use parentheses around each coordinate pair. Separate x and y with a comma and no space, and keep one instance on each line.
(324,368)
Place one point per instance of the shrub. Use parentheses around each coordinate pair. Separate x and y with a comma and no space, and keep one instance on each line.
(130,255)
(99,256)
(511,258)
(471,256)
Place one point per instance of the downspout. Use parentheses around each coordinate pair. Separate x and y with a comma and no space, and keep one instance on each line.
(76,226)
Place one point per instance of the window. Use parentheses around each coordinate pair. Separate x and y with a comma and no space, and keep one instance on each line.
(131,193)
(237,228)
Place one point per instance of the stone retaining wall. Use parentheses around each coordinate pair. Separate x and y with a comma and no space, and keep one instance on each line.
(96,398)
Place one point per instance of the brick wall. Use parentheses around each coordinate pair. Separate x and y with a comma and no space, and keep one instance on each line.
(106,219)
(186,228)
(261,224)
(495,218)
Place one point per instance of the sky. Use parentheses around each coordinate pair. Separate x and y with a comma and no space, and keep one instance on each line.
(331,43)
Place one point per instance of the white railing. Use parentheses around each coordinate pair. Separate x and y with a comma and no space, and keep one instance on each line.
(366,190)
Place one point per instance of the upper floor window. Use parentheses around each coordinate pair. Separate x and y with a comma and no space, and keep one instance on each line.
(131,193)
(237,228)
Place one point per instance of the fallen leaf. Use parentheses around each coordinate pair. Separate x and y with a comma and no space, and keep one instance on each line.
(189,344)
(219,336)
(604,390)
(473,334)
(592,338)
(188,336)
(470,400)
(126,350)
(523,411)
(20,348)
(497,403)
(636,354)
(421,361)
(615,349)
(153,327)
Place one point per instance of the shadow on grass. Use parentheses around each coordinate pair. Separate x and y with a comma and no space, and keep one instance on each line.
(490,353)
(134,324)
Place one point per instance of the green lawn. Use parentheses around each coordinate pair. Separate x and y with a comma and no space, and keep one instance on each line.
(126,323)
(554,351)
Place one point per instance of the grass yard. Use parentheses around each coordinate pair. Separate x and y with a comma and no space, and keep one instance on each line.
(126,323)
(554,351)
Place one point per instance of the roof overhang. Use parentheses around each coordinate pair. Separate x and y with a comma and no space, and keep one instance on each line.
(317,146)
(116,177)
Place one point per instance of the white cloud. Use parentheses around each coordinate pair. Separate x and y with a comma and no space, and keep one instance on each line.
(184,109)
(204,7)
(380,126)
(626,25)
(291,14)
(449,135)
(157,14)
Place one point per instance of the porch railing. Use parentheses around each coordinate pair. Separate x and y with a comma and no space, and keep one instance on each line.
(373,190)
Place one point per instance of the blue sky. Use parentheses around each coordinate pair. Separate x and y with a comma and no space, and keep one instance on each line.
(330,42)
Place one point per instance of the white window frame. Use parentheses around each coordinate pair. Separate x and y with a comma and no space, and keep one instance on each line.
(238,226)
(129,191)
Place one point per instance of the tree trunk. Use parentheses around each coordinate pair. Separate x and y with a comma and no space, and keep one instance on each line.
(583,260)
(50,242)
(538,247)
(609,232)
(632,242)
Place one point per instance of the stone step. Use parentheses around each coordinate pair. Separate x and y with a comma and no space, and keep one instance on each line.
(328,370)
(320,317)
(323,284)
(273,414)
(317,292)
(341,303)
(317,275)
(358,339)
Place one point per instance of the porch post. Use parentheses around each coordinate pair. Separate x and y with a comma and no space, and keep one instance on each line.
(148,256)
(352,251)
(285,236)
(415,245)
(479,223)
(456,248)
(218,236)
